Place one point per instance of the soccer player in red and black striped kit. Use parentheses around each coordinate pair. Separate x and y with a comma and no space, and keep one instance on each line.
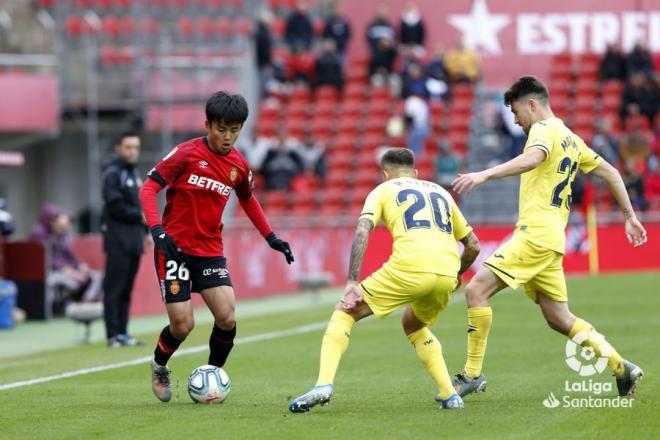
(200,175)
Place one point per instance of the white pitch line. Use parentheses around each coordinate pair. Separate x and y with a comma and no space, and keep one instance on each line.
(142,360)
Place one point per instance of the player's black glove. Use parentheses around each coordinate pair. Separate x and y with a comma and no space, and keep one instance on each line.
(280,246)
(165,243)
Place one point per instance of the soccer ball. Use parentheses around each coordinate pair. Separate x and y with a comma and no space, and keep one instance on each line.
(208,384)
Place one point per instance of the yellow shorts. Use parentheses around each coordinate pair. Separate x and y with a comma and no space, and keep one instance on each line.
(388,289)
(520,262)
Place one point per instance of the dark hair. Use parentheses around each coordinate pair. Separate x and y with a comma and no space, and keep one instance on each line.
(125,135)
(398,157)
(526,85)
(230,109)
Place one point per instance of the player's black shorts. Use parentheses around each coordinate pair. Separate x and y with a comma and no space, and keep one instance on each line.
(195,274)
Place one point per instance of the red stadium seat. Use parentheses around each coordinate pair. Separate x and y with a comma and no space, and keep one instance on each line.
(185,27)
(331,201)
(612,87)
(611,102)
(126,26)
(295,126)
(75,26)
(344,142)
(354,91)
(278,27)
(374,125)
(206,27)
(380,93)
(326,93)
(243,26)
(378,107)
(275,201)
(110,26)
(351,108)
(300,93)
(463,92)
(340,162)
(297,109)
(324,108)
(371,142)
(223,27)
(336,179)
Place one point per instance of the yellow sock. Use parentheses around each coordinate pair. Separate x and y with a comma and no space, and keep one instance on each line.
(597,341)
(429,351)
(479,322)
(335,343)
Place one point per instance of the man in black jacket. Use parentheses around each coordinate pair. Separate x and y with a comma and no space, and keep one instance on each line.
(123,237)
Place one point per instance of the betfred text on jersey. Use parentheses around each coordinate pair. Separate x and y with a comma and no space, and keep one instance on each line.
(213,185)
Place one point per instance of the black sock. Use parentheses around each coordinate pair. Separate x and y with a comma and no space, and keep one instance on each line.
(167,345)
(220,344)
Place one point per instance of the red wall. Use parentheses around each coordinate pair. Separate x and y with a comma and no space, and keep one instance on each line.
(29,103)
(257,271)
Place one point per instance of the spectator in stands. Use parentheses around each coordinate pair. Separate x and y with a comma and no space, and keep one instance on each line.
(338,29)
(417,117)
(382,60)
(635,186)
(380,28)
(411,29)
(639,60)
(264,50)
(328,68)
(462,63)
(605,143)
(415,82)
(299,32)
(613,64)
(438,81)
(255,150)
(281,165)
(447,165)
(69,279)
(640,97)
(634,149)
(312,155)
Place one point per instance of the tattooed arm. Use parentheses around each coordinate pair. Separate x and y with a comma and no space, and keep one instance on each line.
(634,229)
(358,248)
(352,294)
(470,253)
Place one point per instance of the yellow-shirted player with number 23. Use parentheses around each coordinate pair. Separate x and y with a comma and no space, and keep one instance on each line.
(422,272)
(533,257)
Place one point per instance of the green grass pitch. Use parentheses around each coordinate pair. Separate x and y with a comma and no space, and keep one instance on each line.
(381,390)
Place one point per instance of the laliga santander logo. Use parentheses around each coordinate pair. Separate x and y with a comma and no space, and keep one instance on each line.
(581,359)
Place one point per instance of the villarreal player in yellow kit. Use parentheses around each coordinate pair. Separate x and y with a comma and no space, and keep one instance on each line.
(533,256)
(421,274)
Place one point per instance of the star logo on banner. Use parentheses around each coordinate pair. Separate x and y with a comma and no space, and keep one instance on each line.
(480,27)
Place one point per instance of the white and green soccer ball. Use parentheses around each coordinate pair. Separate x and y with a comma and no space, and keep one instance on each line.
(208,384)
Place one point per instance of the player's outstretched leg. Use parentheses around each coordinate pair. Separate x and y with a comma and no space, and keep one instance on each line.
(335,343)
(560,319)
(480,318)
(429,351)
(160,374)
(627,374)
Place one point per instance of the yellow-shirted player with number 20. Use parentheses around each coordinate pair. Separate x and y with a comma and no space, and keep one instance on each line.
(421,274)
(533,257)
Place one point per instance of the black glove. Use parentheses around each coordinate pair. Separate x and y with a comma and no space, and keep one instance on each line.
(165,243)
(280,246)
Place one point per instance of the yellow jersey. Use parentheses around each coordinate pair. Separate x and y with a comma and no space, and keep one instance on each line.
(545,192)
(425,224)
